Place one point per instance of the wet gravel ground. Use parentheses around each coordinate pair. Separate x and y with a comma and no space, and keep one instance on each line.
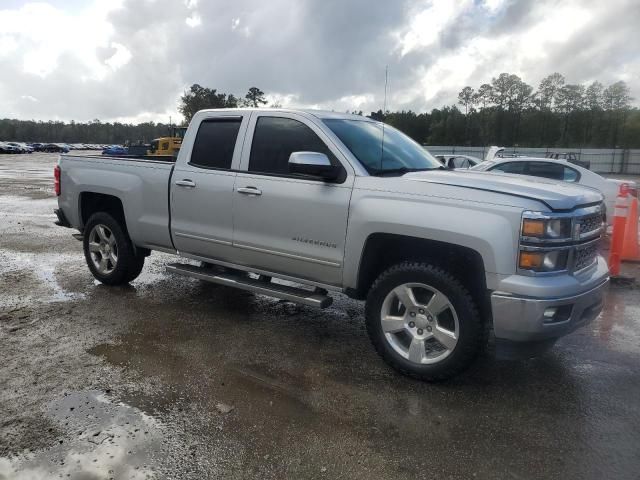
(174,378)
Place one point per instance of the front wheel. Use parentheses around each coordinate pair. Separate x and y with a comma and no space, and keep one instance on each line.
(423,322)
(109,252)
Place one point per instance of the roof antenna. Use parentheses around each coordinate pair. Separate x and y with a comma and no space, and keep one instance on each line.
(386,83)
(384,109)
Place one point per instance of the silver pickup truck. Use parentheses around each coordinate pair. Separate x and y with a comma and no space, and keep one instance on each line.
(298,204)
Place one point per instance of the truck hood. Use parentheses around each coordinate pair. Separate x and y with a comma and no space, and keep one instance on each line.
(555,195)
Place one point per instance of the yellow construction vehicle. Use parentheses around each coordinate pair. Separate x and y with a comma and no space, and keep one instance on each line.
(167,146)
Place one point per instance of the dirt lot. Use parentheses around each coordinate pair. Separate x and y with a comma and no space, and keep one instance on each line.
(175,378)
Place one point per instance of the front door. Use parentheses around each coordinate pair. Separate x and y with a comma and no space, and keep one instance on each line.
(202,188)
(284,223)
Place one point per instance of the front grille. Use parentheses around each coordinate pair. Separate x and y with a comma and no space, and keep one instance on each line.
(590,223)
(585,256)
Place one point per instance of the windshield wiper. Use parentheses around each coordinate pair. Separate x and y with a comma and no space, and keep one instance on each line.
(403,170)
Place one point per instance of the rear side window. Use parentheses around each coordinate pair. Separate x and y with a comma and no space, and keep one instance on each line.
(460,162)
(510,167)
(571,175)
(215,143)
(276,138)
(553,171)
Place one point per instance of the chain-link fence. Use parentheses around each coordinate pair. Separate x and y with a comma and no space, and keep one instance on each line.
(618,160)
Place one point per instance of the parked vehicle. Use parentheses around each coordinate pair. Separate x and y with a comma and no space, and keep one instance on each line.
(55,148)
(37,147)
(8,148)
(571,157)
(458,161)
(330,202)
(115,150)
(561,170)
(22,147)
(167,145)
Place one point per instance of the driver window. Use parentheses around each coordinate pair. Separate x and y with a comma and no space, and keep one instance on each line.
(275,138)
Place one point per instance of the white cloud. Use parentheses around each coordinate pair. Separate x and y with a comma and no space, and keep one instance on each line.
(429,21)
(131,59)
(194,20)
(121,57)
(43,33)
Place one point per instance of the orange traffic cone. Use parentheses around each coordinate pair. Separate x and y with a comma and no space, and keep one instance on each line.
(630,247)
(617,236)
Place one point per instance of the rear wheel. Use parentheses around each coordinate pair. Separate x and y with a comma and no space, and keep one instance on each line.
(423,322)
(109,252)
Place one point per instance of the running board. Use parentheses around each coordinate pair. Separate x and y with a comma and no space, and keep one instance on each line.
(285,292)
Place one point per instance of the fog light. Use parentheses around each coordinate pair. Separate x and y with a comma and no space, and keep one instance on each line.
(557,314)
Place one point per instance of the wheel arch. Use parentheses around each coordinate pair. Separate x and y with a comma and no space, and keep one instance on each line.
(92,202)
(382,250)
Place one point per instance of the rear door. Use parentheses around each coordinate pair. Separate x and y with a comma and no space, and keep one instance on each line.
(202,187)
(284,223)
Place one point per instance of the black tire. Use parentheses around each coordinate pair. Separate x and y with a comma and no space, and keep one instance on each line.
(128,265)
(135,268)
(470,337)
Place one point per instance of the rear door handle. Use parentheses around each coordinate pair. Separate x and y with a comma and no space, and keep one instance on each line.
(186,183)
(249,191)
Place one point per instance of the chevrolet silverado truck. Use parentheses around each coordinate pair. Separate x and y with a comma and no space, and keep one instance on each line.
(298,204)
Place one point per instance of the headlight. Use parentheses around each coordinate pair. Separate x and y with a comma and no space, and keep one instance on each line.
(547,228)
(543,261)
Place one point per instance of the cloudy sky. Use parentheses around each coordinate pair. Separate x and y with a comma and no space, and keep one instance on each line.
(131,59)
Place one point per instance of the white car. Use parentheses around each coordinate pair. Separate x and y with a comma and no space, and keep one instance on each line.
(458,161)
(22,147)
(561,170)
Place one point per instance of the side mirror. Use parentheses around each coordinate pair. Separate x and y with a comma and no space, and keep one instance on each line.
(313,164)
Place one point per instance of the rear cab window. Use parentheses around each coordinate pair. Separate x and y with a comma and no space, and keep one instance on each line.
(215,143)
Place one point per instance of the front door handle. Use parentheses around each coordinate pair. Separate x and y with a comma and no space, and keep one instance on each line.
(249,191)
(186,183)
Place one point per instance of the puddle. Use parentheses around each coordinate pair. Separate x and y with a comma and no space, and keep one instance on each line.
(619,323)
(107,440)
(35,275)
(48,276)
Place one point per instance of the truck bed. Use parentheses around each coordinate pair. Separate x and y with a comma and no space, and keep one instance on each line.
(142,184)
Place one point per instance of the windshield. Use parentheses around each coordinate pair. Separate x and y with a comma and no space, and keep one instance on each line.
(364,140)
(482,166)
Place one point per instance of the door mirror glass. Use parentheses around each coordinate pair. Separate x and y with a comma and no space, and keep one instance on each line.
(313,164)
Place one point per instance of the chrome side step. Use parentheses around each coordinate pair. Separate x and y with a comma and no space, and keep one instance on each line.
(285,292)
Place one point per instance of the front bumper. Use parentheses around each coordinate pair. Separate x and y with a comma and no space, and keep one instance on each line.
(522,319)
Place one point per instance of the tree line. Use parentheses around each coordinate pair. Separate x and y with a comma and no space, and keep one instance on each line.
(506,111)
(74,132)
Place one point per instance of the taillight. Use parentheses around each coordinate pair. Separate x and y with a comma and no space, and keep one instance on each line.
(56,180)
